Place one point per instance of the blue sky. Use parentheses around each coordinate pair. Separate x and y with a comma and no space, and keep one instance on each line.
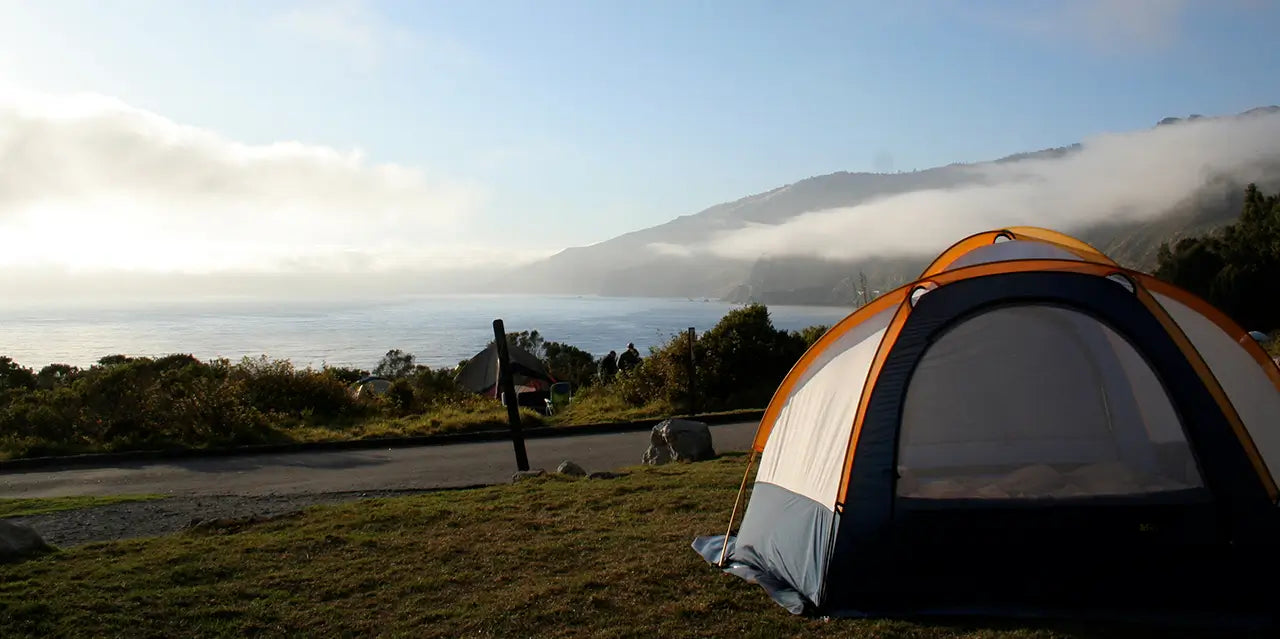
(572,122)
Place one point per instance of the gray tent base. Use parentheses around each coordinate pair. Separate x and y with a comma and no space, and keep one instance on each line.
(710,547)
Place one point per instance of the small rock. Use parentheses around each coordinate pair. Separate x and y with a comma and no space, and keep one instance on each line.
(526,474)
(569,468)
(679,440)
(603,475)
(18,541)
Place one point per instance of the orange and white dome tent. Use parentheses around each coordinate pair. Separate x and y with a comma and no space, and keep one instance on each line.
(1027,426)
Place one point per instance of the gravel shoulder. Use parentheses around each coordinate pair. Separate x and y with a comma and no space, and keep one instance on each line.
(129,520)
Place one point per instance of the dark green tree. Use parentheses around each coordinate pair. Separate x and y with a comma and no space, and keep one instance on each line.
(1235,268)
(529,341)
(55,375)
(395,364)
(14,376)
(743,358)
(569,363)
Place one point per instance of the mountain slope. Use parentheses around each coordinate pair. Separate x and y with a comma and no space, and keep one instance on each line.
(658,261)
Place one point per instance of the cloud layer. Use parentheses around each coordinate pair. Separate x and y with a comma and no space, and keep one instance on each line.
(88,182)
(1113,178)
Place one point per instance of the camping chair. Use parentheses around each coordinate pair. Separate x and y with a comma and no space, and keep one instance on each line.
(561,396)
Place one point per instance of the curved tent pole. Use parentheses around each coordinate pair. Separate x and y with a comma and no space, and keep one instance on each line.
(724,550)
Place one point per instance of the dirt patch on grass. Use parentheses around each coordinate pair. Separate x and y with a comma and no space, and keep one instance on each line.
(129,520)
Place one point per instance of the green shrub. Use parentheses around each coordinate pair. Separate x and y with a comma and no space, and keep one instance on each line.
(435,387)
(401,397)
(275,386)
(1235,267)
(743,359)
(127,402)
(570,364)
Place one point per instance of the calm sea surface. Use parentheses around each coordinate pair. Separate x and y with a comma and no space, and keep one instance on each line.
(438,330)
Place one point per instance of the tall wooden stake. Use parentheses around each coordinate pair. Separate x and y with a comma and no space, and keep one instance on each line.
(509,392)
(693,377)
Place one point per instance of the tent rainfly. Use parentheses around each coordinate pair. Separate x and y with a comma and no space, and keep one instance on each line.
(480,373)
(1027,428)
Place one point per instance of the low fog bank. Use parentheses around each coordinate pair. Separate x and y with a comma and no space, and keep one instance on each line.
(1110,179)
(43,288)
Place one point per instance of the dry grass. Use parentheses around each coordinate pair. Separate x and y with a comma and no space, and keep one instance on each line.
(470,417)
(550,557)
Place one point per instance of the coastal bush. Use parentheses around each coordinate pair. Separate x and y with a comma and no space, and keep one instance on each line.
(738,364)
(743,358)
(124,402)
(55,375)
(400,397)
(275,386)
(14,376)
(433,387)
(569,363)
(345,374)
(395,364)
(1235,267)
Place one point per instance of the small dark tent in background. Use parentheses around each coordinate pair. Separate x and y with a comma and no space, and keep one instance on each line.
(370,385)
(531,378)
(1027,428)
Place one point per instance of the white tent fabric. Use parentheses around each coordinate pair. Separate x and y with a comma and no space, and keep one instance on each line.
(1246,384)
(807,446)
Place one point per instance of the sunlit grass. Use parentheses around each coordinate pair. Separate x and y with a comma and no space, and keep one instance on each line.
(548,557)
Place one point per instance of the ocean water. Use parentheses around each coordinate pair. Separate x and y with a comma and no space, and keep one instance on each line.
(439,330)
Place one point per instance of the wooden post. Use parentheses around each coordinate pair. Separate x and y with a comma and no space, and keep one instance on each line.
(508,389)
(693,377)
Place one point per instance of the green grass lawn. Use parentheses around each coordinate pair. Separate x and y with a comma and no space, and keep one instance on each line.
(549,557)
(23,507)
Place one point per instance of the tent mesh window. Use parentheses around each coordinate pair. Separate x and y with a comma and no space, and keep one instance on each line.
(1037,401)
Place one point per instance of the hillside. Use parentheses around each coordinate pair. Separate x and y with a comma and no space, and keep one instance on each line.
(670,259)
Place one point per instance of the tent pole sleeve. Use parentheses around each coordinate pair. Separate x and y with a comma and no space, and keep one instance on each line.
(734,514)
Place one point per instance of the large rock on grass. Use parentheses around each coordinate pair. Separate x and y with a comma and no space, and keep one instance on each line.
(679,440)
(18,541)
(569,468)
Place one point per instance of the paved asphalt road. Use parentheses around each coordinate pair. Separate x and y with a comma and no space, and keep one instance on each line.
(339,471)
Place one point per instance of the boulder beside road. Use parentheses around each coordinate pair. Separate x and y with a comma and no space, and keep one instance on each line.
(679,440)
(18,541)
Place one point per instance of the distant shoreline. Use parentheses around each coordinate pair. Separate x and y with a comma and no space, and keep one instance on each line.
(440,330)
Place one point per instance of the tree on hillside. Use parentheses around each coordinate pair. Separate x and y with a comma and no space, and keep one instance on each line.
(569,363)
(811,334)
(55,375)
(14,376)
(395,364)
(743,358)
(529,341)
(1235,268)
